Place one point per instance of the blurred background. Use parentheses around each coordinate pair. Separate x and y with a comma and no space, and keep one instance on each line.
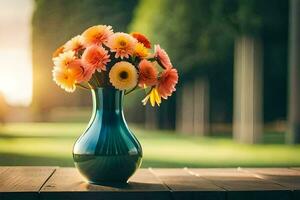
(237,102)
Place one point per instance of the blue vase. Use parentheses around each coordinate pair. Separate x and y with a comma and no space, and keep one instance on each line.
(107,151)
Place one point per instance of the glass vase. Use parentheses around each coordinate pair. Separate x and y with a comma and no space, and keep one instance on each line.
(107,151)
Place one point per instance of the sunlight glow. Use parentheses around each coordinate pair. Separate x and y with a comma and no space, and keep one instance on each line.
(15,51)
(15,77)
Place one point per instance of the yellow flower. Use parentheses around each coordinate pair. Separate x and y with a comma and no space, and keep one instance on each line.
(65,79)
(123,76)
(154,98)
(140,50)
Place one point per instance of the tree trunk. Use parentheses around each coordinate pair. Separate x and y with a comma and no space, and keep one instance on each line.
(201,107)
(293,135)
(247,122)
(193,108)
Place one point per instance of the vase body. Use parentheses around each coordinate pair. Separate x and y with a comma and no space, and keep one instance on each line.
(107,151)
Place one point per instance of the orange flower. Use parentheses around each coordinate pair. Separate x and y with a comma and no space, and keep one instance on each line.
(123,44)
(97,35)
(58,51)
(62,61)
(96,58)
(74,72)
(142,39)
(167,82)
(75,44)
(162,57)
(64,79)
(147,74)
(140,50)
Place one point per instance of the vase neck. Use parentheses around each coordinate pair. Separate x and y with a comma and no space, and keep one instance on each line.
(108,99)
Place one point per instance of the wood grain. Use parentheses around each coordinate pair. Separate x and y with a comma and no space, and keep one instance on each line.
(66,183)
(23,182)
(285,177)
(183,185)
(242,185)
(45,183)
(289,178)
(2,169)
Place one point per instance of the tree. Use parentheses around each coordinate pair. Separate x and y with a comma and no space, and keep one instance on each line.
(190,32)
(294,64)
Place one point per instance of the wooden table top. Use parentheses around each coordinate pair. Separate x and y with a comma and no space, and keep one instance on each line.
(22,183)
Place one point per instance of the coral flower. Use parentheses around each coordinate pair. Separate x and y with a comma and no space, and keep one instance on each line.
(64,79)
(58,51)
(140,50)
(123,75)
(95,57)
(64,59)
(123,44)
(154,98)
(162,57)
(79,71)
(75,44)
(142,39)
(96,35)
(147,74)
(167,82)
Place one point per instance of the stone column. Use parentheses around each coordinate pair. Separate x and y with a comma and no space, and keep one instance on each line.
(293,135)
(247,121)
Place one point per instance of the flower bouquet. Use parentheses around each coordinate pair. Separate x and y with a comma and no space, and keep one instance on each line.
(111,65)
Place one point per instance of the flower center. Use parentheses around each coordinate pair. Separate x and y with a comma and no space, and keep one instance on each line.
(123,75)
(122,43)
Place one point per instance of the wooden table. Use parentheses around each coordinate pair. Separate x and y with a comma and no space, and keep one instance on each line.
(22,183)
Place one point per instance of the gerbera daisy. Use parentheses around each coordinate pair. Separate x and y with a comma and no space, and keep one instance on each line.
(123,75)
(153,96)
(167,82)
(64,79)
(123,44)
(147,74)
(142,39)
(162,57)
(63,60)
(79,71)
(74,44)
(95,57)
(96,35)
(140,50)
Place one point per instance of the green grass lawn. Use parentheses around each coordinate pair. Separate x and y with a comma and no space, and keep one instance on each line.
(51,144)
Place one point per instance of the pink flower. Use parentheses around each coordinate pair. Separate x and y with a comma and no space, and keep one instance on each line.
(95,57)
(123,44)
(162,57)
(167,82)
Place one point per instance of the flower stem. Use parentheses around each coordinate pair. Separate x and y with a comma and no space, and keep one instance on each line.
(131,90)
(82,86)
